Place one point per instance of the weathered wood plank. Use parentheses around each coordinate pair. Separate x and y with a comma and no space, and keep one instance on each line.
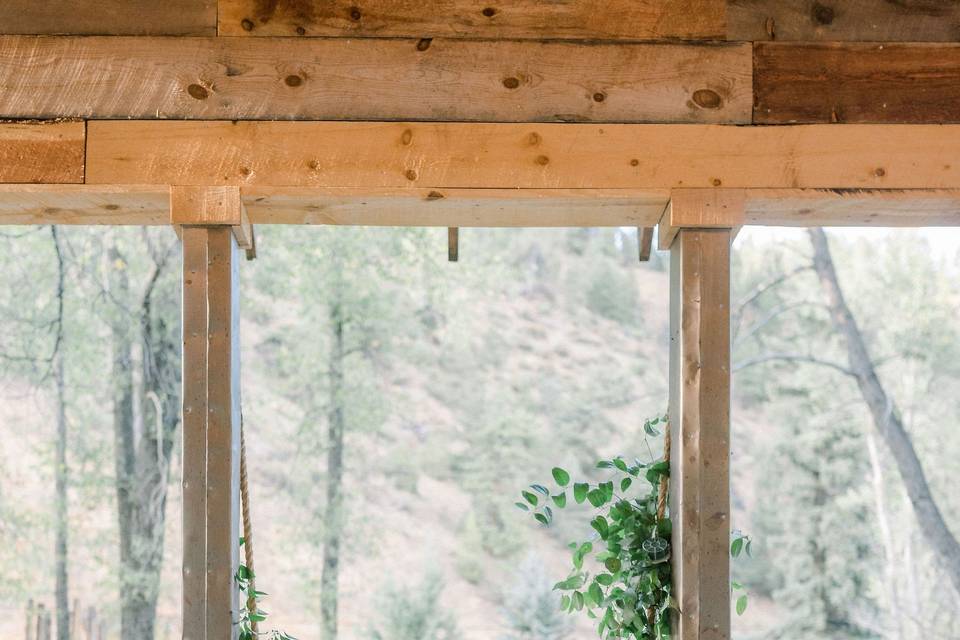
(846,20)
(452,155)
(83,204)
(109,17)
(815,208)
(614,19)
(211,432)
(373,79)
(700,429)
(856,83)
(39,152)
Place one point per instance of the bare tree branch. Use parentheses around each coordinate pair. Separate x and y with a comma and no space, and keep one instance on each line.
(791,357)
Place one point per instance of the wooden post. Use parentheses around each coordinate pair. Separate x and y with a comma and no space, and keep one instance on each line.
(700,431)
(211,431)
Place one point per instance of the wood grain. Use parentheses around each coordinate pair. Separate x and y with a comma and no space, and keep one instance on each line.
(109,17)
(205,205)
(844,20)
(700,429)
(613,19)
(856,83)
(38,152)
(84,204)
(211,409)
(373,79)
(509,156)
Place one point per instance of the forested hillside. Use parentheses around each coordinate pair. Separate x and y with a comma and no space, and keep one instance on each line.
(395,404)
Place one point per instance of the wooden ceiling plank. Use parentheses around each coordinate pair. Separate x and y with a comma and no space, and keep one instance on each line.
(850,20)
(109,17)
(29,204)
(41,152)
(615,19)
(856,83)
(373,79)
(510,156)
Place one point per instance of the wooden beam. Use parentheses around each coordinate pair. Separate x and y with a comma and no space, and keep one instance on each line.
(401,207)
(700,431)
(35,152)
(850,20)
(211,432)
(815,208)
(453,244)
(109,17)
(373,79)
(510,156)
(856,83)
(615,19)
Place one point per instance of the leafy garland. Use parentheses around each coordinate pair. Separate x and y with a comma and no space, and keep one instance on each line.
(252,614)
(631,595)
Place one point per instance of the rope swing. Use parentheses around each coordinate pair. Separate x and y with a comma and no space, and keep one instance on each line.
(247,530)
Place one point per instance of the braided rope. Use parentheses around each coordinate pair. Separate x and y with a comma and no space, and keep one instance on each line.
(661,501)
(247,530)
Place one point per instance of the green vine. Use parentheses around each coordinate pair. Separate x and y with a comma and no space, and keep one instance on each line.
(626,586)
(250,619)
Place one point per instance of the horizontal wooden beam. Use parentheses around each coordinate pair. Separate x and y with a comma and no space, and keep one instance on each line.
(109,17)
(849,20)
(856,83)
(725,208)
(614,19)
(158,205)
(510,156)
(37,152)
(373,79)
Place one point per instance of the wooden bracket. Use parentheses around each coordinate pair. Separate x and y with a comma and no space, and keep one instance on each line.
(701,209)
(644,243)
(453,244)
(213,206)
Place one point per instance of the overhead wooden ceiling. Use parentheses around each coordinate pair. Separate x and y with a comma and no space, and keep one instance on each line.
(621,99)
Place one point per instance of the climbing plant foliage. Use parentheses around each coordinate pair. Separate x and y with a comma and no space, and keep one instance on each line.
(250,619)
(620,577)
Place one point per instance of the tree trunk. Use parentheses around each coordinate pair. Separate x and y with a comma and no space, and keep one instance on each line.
(886,417)
(334,509)
(62,524)
(142,449)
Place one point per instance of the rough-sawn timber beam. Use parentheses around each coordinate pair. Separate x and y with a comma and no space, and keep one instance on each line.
(527,156)
(373,79)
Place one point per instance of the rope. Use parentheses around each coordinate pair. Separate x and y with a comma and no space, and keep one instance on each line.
(247,531)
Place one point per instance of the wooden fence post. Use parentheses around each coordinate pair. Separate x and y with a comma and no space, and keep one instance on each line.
(700,431)
(211,413)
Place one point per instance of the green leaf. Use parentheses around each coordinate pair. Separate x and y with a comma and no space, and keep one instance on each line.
(612,564)
(596,594)
(539,488)
(597,497)
(578,600)
(561,476)
(625,484)
(747,548)
(601,526)
(741,605)
(560,500)
(736,585)
(580,490)
(541,519)
(605,579)
(529,497)
(736,547)
(620,464)
(522,506)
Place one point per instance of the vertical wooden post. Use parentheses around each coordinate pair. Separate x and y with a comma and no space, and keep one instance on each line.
(211,430)
(700,431)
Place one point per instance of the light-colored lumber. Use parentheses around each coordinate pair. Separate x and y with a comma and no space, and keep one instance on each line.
(815,208)
(644,243)
(205,205)
(41,152)
(392,206)
(849,20)
(571,19)
(856,83)
(373,79)
(109,17)
(700,429)
(211,409)
(475,155)
(84,204)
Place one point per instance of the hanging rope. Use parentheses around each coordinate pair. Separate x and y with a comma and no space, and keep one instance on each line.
(247,531)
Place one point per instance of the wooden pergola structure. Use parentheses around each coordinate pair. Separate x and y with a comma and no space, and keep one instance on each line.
(699,116)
